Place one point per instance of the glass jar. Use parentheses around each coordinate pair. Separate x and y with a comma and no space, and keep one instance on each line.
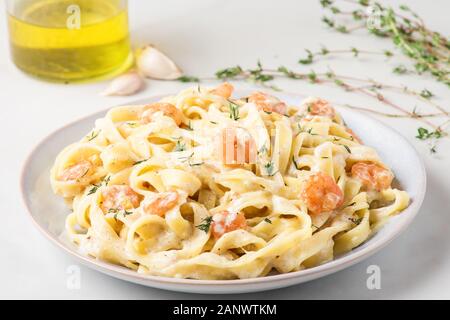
(70,40)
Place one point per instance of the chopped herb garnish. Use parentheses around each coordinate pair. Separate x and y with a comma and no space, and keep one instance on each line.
(117,212)
(180,146)
(205,225)
(270,168)
(356,221)
(187,158)
(139,162)
(262,150)
(93,135)
(189,127)
(295,163)
(234,110)
(95,187)
(196,164)
(84,174)
(132,124)
(268,220)
(347,148)
(311,133)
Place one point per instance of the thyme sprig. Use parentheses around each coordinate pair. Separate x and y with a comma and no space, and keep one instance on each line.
(424,134)
(376,90)
(369,87)
(428,50)
(312,56)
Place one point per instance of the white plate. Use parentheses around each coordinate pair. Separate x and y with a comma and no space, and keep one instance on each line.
(48,211)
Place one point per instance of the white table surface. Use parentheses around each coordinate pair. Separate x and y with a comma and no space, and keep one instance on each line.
(203,36)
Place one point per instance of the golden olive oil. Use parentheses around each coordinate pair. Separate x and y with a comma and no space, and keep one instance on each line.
(71,40)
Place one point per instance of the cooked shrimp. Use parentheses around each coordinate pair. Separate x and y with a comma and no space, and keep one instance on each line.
(119,197)
(267,102)
(168,109)
(237,146)
(321,193)
(225,90)
(223,222)
(372,176)
(76,171)
(320,107)
(162,203)
(353,135)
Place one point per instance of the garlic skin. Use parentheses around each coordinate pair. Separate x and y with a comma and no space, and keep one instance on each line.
(124,85)
(154,64)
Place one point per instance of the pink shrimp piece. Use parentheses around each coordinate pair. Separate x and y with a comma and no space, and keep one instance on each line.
(372,176)
(225,90)
(224,222)
(267,102)
(321,193)
(119,197)
(237,146)
(168,109)
(162,203)
(320,107)
(76,171)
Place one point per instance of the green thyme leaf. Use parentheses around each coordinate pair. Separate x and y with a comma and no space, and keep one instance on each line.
(229,72)
(426,93)
(93,135)
(234,110)
(188,79)
(205,225)
(180,146)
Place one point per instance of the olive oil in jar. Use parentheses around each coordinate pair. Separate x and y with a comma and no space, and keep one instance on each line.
(70,40)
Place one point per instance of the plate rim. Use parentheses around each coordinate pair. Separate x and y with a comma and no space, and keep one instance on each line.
(307,274)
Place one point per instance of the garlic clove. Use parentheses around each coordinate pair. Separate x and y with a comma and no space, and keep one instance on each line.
(152,63)
(124,85)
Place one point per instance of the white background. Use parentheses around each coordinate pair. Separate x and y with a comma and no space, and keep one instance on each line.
(203,36)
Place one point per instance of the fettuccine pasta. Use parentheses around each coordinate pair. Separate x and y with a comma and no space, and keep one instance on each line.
(204,186)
